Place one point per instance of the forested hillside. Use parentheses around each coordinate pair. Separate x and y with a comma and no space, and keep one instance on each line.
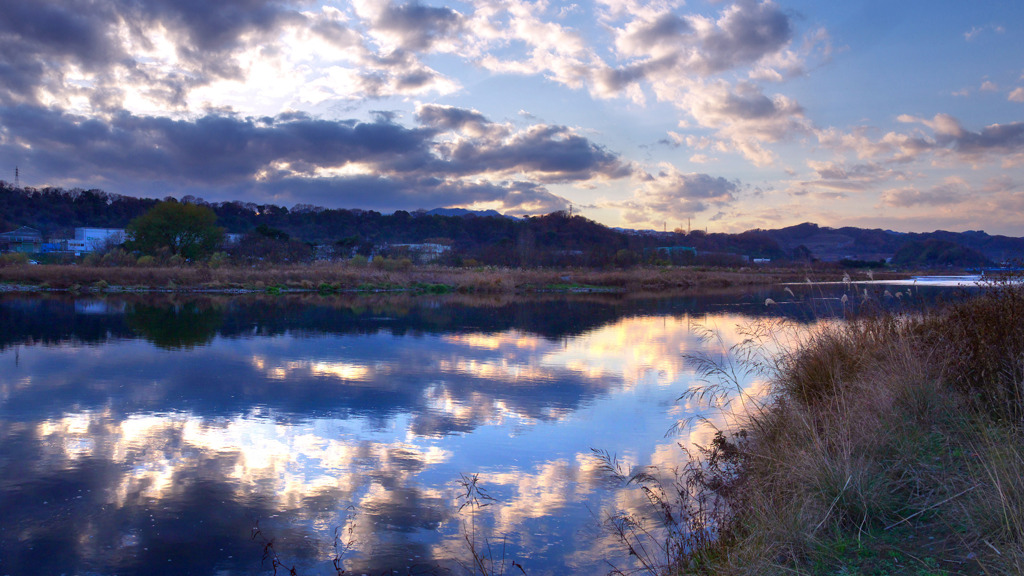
(488,238)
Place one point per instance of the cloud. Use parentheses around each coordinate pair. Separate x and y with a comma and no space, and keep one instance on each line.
(657,36)
(452,118)
(409,192)
(549,153)
(943,195)
(745,118)
(674,194)
(975,31)
(746,32)
(417,27)
(948,139)
(842,177)
(58,49)
(172,56)
(1017,95)
(412,27)
(950,134)
(454,157)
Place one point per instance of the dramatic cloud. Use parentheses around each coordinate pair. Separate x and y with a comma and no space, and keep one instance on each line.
(513,104)
(456,156)
(60,49)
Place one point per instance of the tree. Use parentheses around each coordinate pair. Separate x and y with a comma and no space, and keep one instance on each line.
(186,230)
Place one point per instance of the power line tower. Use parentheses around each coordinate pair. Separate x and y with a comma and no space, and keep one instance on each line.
(17,178)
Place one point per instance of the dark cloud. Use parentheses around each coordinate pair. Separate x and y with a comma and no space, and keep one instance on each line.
(39,40)
(419,26)
(450,118)
(43,39)
(408,192)
(665,28)
(747,31)
(282,158)
(396,72)
(997,137)
(615,79)
(949,134)
(751,104)
(552,153)
(208,27)
(211,149)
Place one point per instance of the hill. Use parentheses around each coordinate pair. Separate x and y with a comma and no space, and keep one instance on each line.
(491,238)
(832,244)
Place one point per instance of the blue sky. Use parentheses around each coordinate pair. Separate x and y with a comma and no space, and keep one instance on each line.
(724,115)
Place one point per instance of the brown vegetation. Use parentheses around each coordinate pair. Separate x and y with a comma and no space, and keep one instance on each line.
(383,275)
(890,444)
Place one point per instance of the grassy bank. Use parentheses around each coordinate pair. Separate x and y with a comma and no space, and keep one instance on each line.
(887,445)
(338,277)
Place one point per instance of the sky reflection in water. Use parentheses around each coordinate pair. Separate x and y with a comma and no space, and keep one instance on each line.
(151,437)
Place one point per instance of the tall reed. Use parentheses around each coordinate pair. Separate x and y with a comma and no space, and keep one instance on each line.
(888,444)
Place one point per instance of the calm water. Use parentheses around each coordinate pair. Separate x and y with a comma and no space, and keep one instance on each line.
(152,434)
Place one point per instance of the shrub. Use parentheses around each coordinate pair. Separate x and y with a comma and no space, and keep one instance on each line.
(13,258)
(117,257)
(983,343)
(218,259)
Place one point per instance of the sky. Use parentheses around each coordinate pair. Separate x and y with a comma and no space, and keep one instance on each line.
(716,115)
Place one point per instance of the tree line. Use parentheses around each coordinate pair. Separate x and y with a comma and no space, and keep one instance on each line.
(273,233)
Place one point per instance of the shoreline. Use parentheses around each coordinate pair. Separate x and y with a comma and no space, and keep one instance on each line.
(886,445)
(344,278)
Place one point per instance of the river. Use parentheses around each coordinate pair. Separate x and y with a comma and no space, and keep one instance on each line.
(187,434)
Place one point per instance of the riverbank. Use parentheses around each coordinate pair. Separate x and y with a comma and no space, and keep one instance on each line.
(887,445)
(340,277)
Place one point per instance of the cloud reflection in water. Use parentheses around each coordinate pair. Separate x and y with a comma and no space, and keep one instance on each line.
(142,445)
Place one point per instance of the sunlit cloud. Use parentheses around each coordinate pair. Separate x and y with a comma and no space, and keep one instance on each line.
(152,97)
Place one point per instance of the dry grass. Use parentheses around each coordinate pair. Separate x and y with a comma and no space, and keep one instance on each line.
(890,445)
(343,277)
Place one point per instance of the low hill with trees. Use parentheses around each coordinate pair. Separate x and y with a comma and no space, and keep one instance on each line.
(271,233)
(933,252)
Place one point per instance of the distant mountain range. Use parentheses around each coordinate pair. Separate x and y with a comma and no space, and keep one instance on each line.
(463,212)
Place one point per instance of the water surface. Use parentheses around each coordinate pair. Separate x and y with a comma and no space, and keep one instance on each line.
(155,434)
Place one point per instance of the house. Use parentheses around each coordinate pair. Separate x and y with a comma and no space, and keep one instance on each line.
(23,239)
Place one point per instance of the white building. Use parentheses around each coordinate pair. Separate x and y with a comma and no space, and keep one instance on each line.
(92,239)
